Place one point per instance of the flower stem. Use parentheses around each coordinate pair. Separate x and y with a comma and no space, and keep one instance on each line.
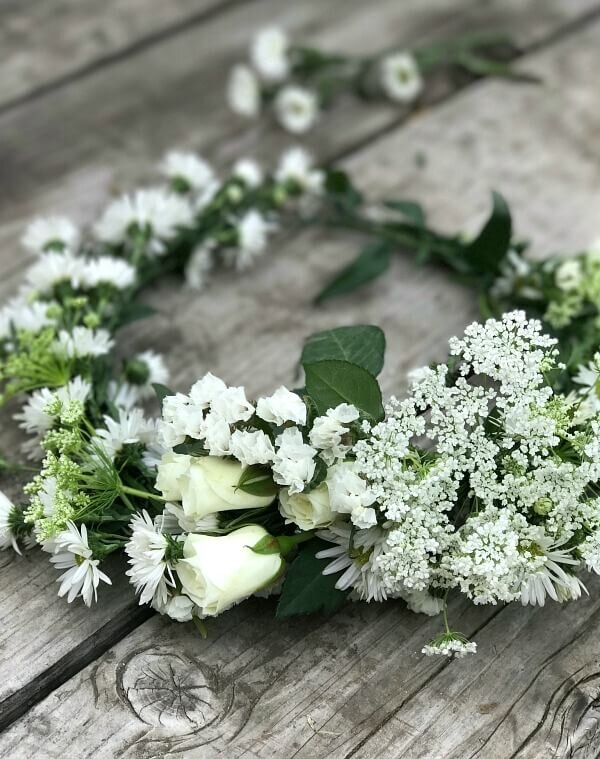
(142,494)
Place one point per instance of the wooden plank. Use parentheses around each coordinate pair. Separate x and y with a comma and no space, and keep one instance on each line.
(358,673)
(166,692)
(532,691)
(45,43)
(69,149)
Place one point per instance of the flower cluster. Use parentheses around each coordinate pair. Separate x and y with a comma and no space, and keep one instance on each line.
(83,412)
(298,81)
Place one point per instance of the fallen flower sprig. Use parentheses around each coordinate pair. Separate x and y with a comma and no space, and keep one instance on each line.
(298,81)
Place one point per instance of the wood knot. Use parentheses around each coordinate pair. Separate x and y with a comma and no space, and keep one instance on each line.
(167,690)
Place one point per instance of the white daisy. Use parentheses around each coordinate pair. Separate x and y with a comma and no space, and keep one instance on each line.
(123,395)
(53,232)
(187,168)
(269,54)
(158,374)
(243,92)
(354,554)
(83,341)
(249,171)
(400,77)
(199,266)
(296,165)
(82,575)
(131,427)
(150,571)
(108,270)
(588,378)
(155,212)
(547,577)
(52,268)
(7,537)
(175,521)
(34,417)
(20,314)
(253,230)
(296,109)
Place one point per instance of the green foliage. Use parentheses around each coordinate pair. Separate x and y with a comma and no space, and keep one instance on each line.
(362,344)
(484,255)
(371,263)
(330,383)
(257,480)
(306,589)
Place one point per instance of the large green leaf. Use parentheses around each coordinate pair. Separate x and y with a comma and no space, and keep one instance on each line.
(371,263)
(330,383)
(306,589)
(487,251)
(362,344)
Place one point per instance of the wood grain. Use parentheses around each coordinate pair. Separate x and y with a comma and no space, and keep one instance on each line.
(353,674)
(69,149)
(44,44)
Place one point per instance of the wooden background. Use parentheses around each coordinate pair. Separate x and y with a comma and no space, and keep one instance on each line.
(91,95)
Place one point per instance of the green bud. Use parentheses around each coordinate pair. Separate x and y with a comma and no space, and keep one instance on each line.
(137,372)
(91,320)
(543,506)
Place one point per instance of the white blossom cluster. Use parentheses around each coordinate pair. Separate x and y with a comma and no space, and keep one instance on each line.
(291,79)
(485,476)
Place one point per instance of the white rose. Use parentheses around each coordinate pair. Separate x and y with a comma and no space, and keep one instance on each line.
(307,510)
(172,467)
(217,572)
(210,485)
(283,406)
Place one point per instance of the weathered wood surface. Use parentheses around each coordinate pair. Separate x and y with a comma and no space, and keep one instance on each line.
(349,686)
(483,128)
(45,43)
(70,148)
(262,319)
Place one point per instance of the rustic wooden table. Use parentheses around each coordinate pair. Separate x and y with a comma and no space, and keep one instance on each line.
(91,94)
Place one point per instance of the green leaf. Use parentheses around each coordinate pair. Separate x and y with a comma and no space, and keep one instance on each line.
(330,383)
(487,251)
(191,448)
(132,311)
(306,589)
(257,480)
(370,264)
(319,476)
(162,391)
(362,344)
(410,209)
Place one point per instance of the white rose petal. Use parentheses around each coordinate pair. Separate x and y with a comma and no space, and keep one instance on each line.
(218,572)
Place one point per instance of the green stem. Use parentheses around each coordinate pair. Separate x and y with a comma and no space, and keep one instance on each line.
(142,494)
